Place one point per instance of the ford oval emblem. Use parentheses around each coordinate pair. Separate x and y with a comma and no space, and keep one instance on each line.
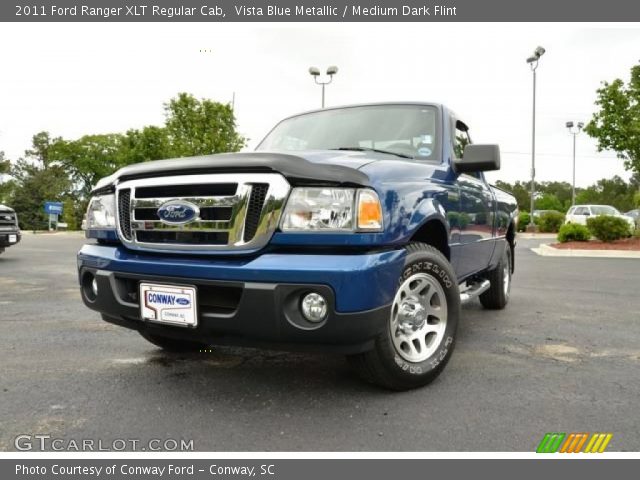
(177,212)
(182,301)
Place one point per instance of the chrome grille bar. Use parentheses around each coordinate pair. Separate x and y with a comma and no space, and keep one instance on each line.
(244,221)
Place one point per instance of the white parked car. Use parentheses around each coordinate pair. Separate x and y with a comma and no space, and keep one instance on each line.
(580,213)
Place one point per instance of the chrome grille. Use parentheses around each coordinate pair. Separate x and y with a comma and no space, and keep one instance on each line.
(235,212)
(256,202)
(124,203)
(7,219)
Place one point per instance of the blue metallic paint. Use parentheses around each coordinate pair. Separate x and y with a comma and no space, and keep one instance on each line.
(412,193)
(360,281)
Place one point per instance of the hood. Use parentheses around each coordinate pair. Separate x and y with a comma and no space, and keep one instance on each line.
(324,167)
(4,208)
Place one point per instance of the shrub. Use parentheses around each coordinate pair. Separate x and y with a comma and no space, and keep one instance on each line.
(608,228)
(523,220)
(572,232)
(550,222)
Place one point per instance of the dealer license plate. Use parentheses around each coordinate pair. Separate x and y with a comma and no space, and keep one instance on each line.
(13,238)
(171,304)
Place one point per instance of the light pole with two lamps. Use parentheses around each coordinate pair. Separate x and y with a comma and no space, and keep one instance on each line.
(574,130)
(533,63)
(315,73)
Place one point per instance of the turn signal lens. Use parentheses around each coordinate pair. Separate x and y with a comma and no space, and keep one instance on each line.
(369,211)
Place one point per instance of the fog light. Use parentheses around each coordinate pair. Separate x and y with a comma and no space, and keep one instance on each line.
(94,286)
(314,307)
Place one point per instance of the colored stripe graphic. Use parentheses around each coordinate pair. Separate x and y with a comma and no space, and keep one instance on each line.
(598,442)
(550,443)
(573,442)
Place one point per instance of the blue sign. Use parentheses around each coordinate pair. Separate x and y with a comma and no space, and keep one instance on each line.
(53,208)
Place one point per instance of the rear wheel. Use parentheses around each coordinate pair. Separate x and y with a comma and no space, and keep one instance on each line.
(497,296)
(420,334)
(172,344)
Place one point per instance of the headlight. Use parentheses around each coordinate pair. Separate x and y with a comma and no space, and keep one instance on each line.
(369,211)
(101,212)
(332,210)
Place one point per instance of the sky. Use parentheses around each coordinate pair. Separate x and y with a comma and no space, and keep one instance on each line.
(77,79)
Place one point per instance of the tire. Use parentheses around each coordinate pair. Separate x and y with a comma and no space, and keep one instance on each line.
(497,297)
(172,344)
(428,293)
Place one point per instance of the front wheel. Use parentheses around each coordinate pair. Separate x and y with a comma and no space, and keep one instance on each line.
(421,329)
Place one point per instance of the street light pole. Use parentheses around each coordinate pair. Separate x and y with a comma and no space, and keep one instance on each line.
(573,177)
(574,131)
(533,63)
(315,73)
(534,66)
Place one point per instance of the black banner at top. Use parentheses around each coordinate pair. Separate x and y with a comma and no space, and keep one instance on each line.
(320,11)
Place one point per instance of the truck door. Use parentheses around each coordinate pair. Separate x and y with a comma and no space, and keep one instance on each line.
(477,206)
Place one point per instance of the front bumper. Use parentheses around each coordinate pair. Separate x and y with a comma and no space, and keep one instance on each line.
(4,238)
(252,301)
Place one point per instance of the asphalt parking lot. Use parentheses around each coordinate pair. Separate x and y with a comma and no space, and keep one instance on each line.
(564,356)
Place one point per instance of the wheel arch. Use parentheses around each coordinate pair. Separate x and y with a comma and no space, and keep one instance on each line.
(433,231)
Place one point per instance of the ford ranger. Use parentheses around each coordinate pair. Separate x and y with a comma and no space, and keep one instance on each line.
(9,229)
(357,229)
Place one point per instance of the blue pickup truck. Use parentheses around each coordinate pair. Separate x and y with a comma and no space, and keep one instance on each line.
(358,229)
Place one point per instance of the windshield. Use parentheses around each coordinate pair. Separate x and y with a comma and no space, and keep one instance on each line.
(604,210)
(403,130)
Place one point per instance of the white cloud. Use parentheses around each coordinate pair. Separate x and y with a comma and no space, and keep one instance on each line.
(74,79)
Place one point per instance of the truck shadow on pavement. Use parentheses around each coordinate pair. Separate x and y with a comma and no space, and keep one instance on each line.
(232,368)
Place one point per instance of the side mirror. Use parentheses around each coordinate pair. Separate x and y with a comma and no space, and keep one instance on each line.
(478,158)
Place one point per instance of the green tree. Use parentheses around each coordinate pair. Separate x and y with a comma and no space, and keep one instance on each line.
(561,191)
(88,159)
(30,194)
(616,124)
(150,143)
(609,191)
(201,127)
(40,150)
(38,178)
(5,164)
(6,182)
(549,201)
(520,190)
(66,170)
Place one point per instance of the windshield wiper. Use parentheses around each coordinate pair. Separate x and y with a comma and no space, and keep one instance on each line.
(377,150)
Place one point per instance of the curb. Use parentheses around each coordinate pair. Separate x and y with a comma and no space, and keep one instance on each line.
(39,233)
(545,250)
(529,236)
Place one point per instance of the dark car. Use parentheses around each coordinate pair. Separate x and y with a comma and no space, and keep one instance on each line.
(9,230)
(358,230)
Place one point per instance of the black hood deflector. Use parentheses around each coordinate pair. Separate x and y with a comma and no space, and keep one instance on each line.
(297,170)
